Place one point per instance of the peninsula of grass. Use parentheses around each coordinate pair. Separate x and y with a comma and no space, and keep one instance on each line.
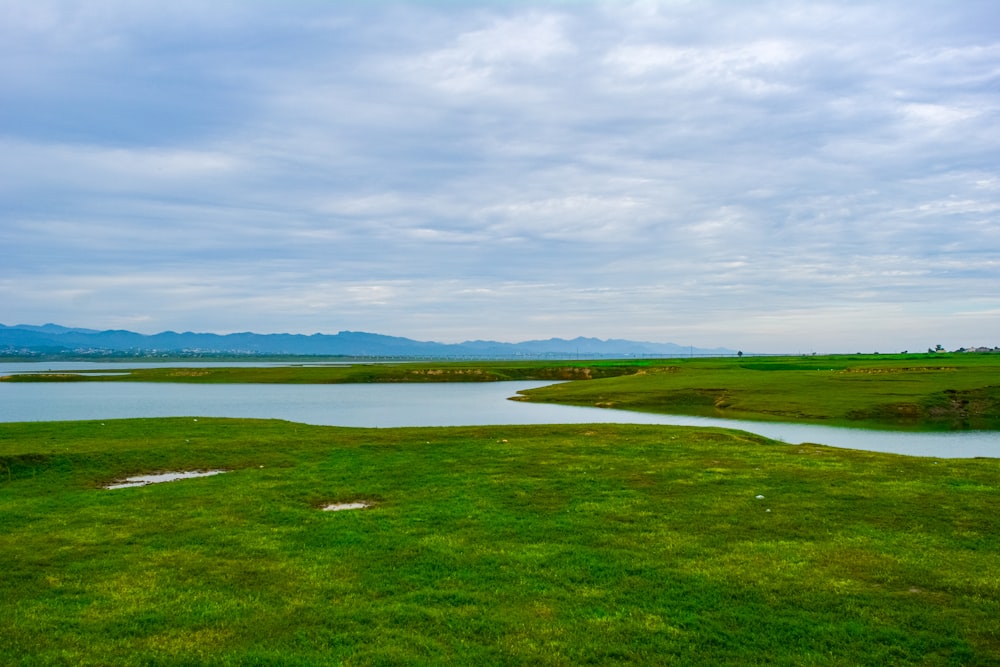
(908,392)
(915,392)
(518,545)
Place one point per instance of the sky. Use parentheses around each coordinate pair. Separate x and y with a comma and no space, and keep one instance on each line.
(772,176)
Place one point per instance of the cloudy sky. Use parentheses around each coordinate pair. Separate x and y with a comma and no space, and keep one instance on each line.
(769,176)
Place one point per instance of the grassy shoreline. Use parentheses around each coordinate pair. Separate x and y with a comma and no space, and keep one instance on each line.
(926,393)
(549,545)
(894,392)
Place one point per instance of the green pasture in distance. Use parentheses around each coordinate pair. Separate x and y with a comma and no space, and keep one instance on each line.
(902,391)
(519,545)
(441,371)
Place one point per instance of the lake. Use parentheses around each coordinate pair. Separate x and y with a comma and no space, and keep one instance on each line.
(431,404)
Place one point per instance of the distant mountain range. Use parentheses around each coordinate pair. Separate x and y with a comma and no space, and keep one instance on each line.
(54,340)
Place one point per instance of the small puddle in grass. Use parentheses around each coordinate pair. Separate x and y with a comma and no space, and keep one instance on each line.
(145,480)
(337,507)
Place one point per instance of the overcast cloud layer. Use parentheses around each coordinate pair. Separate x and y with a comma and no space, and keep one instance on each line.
(770,176)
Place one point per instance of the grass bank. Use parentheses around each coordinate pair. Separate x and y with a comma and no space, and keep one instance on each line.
(443,371)
(908,392)
(540,545)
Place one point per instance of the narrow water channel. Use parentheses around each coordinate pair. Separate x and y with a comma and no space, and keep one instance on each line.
(432,404)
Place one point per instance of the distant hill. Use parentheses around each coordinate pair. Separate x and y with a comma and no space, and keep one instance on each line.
(53,339)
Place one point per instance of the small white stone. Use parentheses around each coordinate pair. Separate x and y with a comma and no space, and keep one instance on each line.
(759,497)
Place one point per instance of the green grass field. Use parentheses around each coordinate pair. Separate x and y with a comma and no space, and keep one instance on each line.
(530,545)
(918,392)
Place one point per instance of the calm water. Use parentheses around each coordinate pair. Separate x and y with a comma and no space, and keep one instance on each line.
(433,404)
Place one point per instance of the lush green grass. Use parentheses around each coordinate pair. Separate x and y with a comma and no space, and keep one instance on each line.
(540,545)
(955,391)
(920,391)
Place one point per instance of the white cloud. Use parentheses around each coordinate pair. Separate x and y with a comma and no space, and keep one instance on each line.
(482,61)
(752,69)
